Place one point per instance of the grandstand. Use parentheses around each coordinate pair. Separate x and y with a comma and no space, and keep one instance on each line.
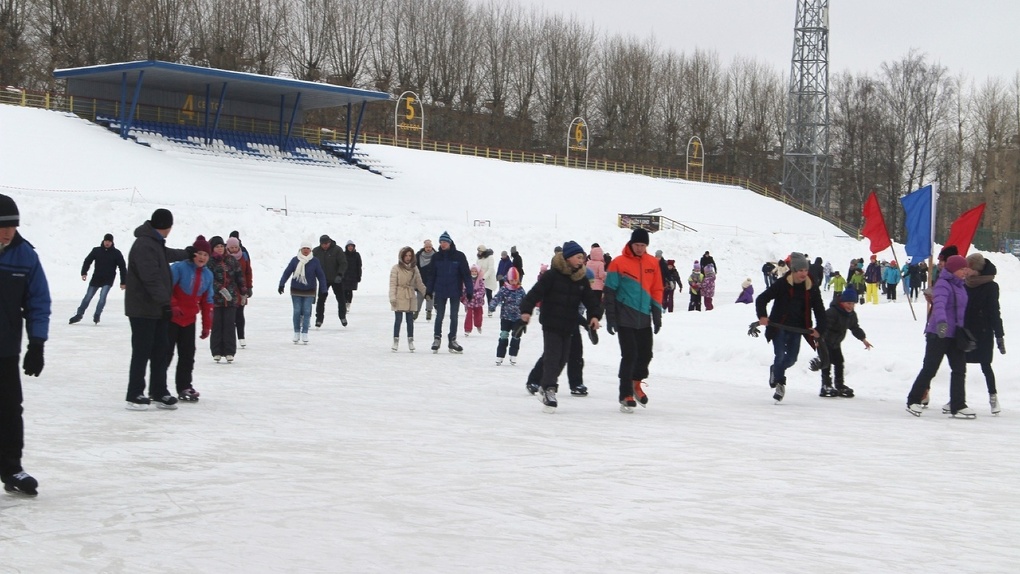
(172,106)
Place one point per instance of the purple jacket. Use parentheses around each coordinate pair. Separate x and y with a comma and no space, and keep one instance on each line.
(949,303)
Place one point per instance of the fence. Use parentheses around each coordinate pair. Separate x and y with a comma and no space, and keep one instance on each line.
(91,108)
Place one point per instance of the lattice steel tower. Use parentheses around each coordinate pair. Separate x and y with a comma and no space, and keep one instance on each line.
(806,149)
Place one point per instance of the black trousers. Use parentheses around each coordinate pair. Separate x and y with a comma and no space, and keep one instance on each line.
(635,355)
(934,350)
(223,337)
(555,352)
(148,348)
(341,301)
(183,339)
(575,363)
(836,362)
(12,425)
(239,321)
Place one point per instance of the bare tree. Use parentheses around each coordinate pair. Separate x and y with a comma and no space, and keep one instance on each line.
(307,43)
(14,48)
(525,71)
(350,34)
(166,33)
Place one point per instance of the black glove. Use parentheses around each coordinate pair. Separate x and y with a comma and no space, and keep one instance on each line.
(1001,344)
(656,326)
(941,329)
(33,364)
(338,280)
(248,294)
(469,296)
(280,290)
(190,250)
(520,327)
(611,328)
(166,312)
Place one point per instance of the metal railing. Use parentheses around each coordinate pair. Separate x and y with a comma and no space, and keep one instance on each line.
(91,108)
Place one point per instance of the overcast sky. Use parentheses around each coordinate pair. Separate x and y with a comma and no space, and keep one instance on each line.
(978,37)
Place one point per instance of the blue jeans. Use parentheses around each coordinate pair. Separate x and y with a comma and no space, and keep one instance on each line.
(786,346)
(302,312)
(103,291)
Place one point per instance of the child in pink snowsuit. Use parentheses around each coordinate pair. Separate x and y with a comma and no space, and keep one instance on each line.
(474,308)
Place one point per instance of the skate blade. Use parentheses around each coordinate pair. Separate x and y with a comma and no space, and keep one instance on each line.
(913,413)
(965,417)
(136,407)
(549,410)
(626,409)
(15,491)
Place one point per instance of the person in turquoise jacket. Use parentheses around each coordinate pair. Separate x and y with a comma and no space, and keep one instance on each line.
(891,279)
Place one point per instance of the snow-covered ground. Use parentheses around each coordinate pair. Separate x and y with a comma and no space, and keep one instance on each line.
(341,456)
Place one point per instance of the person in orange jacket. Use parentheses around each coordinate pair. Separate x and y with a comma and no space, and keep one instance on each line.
(632,299)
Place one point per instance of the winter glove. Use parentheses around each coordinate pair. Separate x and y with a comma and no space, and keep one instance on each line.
(190,250)
(610,328)
(225,293)
(470,296)
(248,294)
(33,364)
(520,327)
(280,290)
(656,320)
(166,312)
(942,328)
(656,327)
(338,280)
(1001,344)
(205,334)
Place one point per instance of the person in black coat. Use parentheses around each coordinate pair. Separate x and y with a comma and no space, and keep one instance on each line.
(984,320)
(108,260)
(816,271)
(518,262)
(707,259)
(561,290)
(353,275)
(796,298)
(446,278)
(334,264)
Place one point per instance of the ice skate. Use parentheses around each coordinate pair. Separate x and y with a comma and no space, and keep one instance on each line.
(627,404)
(993,400)
(436,343)
(20,483)
(410,344)
(304,338)
(189,395)
(139,403)
(395,345)
(548,398)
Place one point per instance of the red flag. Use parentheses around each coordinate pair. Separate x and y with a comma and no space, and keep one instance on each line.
(874,225)
(961,232)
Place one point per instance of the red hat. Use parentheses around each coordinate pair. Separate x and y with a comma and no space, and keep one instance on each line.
(202,245)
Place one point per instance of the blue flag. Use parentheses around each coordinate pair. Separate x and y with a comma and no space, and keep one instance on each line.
(918,207)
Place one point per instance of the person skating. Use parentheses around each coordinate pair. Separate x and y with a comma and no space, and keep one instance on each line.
(353,274)
(448,277)
(673,282)
(306,280)
(560,290)
(508,299)
(228,288)
(235,250)
(405,285)
(948,311)
(192,296)
(474,308)
(422,259)
(794,298)
(633,301)
(334,264)
(147,305)
(575,362)
(25,302)
(487,271)
(839,318)
(108,260)
(984,319)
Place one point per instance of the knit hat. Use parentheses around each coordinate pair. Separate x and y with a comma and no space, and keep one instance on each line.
(513,275)
(308,242)
(474,269)
(658,253)
(233,242)
(481,247)
(513,248)
(162,219)
(849,295)
(798,262)
(954,263)
(445,237)
(697,266)
(947,252)
(571,248)
(976,261)
(503,254)
(747,283)
(202,245)
(216,240)
(349,243)
(234,233)
(324,239)
(671,262)
(108,237)
(9,216)
(639,236)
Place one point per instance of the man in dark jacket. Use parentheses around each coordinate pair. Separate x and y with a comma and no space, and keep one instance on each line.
(796,298)
(561,290)
(518,261)
(147,305)
(334,265)
(353,274)
(24,304)
(446,278)
(108,260)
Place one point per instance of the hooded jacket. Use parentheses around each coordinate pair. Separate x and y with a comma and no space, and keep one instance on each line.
(405,281)
(793,306)
(333,261)
(983,316)
(949,305)
(597,264)
(561,291)
(633,293)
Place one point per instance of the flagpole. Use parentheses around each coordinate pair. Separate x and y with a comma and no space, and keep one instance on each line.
(909,302)
(931,261)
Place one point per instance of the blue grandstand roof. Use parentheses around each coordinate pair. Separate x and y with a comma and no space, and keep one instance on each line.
(244,86)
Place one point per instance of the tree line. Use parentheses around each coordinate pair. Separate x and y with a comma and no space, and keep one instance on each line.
(502,75)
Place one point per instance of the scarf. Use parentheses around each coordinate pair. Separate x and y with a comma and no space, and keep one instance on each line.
(237,255)
(299,271)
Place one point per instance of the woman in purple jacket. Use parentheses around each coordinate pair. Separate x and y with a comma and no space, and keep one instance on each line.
(949,303)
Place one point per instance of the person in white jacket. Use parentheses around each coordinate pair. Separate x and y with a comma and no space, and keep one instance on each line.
(487,269)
